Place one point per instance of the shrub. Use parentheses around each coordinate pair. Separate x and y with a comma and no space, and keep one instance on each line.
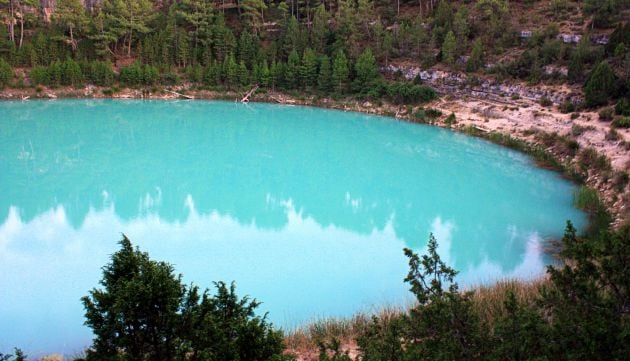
(451,119)
(623,107)
(567,107)
(71,73)
(433,113)
(158,318)
(132,75)
(623,122)
(606,114)
(6,73)
(101,73)
(39,75)
(406,92)
(545,102)
(600,87)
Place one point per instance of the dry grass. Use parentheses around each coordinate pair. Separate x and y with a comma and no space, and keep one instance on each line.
(488,302)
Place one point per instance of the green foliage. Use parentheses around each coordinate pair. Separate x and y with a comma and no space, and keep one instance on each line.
(324,80)
(101,73)
(409,93)
(589,297)
(600,87)
(366,72)
(340,72)
(144,312)
(475,62)
(71,73)
(18,355)
(308,68)
(623,122)
(292,70)
(623,106)
(6,73)
(137,74)
(449,48)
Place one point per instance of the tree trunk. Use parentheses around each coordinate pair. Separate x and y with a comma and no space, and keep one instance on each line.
(72,43)
(129,44)
(21,30)
(11,21)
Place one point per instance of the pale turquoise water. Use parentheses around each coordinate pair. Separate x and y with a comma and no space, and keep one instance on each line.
(307,209)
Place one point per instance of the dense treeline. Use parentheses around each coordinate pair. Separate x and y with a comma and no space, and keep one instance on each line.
(313,45)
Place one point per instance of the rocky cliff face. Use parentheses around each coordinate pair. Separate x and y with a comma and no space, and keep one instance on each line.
(461,84)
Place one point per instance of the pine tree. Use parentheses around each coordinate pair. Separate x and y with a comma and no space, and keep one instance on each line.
(253,13)
(324,77)
(366,72)
(6,73)
(230,71)
(475,62)
(242,74)
(320,29)
(600,87)
(292,71)
(308,68)
(71,16)
(340,72)
(449,48)
(265,75)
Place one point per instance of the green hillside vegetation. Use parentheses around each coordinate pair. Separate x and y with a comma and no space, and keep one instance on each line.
(316,46)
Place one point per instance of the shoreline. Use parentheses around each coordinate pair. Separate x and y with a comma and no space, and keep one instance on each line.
(562,142)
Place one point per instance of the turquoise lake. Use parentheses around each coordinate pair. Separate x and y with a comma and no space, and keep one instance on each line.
(307,209)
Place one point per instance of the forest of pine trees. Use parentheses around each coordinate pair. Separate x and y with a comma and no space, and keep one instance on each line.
(311,45)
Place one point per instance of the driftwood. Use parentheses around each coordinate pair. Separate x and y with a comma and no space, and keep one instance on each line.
(246,97)
(180,95)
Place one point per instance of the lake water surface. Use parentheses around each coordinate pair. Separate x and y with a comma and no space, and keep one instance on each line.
(306,209)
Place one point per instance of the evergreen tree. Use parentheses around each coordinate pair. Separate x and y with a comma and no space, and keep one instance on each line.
(265,74)
(475,62)
(600,87)
(308,68)
(340,72)
(71,73)
(124,19)
(324,79)
(366,72)
(292,71)
(223,39)
(230,71)
(212,76)
(320,29)
(253,13)
(71,16)
(449,48)
(196,15)
(242,74)
(6,73)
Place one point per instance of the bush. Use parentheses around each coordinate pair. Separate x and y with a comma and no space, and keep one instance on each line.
(623,122)
(6,73)
(409,93)
(101,73)
(600,87)
(158,318)
(71,73)
(623,107)
(39,75)
(606,114)
(545,102)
